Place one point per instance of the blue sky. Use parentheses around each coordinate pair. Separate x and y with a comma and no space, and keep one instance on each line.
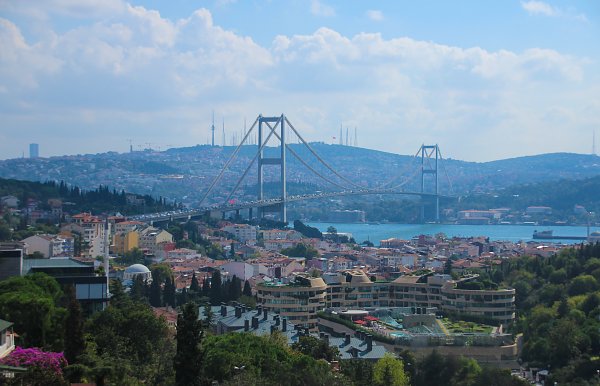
(483,79)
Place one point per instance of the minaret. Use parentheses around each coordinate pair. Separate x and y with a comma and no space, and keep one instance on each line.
(594,142)
(346,136)
(341,135)
(355,138)
(106,264)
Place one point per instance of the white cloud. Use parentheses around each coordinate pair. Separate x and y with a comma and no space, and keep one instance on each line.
(535,7)
(138,74)
(318,8)
(375,15)
(539,7)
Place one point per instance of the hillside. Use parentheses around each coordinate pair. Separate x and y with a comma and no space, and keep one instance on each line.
(182,174)
(562,195)
(77,200)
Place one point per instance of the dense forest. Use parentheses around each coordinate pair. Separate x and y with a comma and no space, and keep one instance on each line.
(558,311)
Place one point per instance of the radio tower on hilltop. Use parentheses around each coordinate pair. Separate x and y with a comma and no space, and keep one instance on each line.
(212,128)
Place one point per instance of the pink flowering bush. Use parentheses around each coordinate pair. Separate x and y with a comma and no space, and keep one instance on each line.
(34,357)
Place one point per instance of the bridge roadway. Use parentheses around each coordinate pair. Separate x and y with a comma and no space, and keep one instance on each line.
(189,213)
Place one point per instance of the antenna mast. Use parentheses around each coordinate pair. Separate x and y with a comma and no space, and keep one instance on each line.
(212,128)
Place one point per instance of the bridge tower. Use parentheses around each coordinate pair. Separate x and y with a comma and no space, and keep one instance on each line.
(281,160)
(430,155)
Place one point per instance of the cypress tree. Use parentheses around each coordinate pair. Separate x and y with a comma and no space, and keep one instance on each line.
(155,293)
(235,288)
(188,359)
(74,342)
(205,287)
(247,289)
(169,292)
(194,285)
(215,288)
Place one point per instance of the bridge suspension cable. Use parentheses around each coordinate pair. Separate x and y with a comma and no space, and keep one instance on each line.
(231,158)
(446,172)
(399,175)
(321,159)
(272,131)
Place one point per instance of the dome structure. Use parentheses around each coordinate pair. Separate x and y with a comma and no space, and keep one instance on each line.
(135,270)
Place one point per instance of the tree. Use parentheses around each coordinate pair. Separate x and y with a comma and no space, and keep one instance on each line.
(215,288)
(316,348)
(448,266)
(389,371)
(161,272)
(74,341)
(128,344)
(247,291)
(188,359)
(169,292)
(5,232)
(232,250)
(155,293)
(31,303)
(194,286)
(139,289)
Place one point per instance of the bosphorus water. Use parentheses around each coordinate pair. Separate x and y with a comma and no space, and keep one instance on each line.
(514,233)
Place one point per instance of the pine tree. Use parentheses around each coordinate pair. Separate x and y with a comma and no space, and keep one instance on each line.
(188,359)
(247,289)
(74,341)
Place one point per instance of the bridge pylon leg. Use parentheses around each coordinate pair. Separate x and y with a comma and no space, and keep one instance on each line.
(430,155)
(281,161)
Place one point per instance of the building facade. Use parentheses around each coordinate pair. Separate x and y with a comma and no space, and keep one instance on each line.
(299,300)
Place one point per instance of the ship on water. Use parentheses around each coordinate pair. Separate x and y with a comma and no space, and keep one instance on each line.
(549,235)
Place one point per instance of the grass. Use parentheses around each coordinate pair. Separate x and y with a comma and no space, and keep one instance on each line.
(458,327)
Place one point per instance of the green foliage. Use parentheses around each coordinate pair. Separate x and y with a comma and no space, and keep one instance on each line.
(74,340)
(32,304)
(101,199)
(134,256)
(301,250)
(307,231)
(389,371)
(215,288)
(188,359)
(558,304)
(264,360)
(316,348)
(128,344)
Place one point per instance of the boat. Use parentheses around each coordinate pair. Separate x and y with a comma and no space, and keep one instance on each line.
(549,235)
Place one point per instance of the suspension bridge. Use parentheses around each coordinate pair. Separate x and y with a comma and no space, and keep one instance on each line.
(274,129)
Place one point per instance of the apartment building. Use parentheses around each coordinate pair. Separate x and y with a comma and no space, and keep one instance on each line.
(93,232)
(242,232)
(50,245)
(299,300)
(125,241)
(354,290)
